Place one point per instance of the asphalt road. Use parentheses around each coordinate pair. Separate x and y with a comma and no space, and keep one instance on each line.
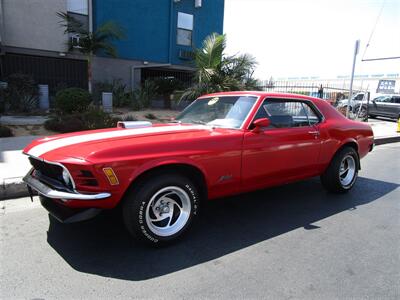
(294,241)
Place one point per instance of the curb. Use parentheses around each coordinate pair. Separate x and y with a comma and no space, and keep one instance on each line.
(387,140)
(13,190)
(18,189)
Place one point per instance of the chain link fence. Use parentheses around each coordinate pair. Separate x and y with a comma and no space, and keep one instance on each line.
(335,93)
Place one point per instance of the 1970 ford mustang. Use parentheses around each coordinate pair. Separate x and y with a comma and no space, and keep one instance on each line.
(222,144)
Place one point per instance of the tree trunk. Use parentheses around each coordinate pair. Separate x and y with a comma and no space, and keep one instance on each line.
(89,61)
(167,101)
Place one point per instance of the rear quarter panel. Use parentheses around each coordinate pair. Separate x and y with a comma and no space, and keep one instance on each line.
(336,131)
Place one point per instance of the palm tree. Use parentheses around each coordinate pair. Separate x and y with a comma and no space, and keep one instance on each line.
(90,43)
(216,72)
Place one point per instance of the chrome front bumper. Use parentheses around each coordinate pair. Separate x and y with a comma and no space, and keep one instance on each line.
(48,192)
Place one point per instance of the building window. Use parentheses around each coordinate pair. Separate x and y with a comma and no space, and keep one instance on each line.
(78,6)
(185,29)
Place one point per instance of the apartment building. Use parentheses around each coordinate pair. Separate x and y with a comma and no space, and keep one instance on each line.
(160,36)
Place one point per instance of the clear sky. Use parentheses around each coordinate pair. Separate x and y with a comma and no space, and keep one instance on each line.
(313,37)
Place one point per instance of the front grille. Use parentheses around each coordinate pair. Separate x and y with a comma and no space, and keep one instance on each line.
(46,169)
(49,173)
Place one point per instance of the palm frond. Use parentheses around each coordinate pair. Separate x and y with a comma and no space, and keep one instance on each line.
(217,72)
(110,31)
(92,42)
(71,24)
(108,49)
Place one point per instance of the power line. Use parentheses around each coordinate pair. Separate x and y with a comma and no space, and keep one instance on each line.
(381,58)
(373,30)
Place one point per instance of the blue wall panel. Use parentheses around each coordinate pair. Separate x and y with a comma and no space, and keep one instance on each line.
(150,26)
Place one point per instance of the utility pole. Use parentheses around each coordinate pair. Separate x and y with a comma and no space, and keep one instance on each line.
(357,45)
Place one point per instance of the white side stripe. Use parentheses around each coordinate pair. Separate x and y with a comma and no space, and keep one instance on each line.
(63,142)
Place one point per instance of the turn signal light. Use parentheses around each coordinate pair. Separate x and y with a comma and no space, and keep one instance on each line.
(112,178)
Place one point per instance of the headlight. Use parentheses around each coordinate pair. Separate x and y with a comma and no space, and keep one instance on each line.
(66,177)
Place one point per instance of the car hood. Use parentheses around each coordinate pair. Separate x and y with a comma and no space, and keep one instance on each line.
(83,145)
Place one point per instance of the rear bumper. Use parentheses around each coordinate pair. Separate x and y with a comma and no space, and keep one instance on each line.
(49,192)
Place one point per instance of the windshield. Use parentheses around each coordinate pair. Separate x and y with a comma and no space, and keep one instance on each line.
(224,111)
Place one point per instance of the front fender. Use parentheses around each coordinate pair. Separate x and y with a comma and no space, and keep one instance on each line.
(156,163)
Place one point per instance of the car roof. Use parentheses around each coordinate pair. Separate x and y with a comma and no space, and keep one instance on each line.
(389,95)
(261,94)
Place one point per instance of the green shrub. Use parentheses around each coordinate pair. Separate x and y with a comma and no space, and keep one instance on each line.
(129,118)
(97,119)
(136,105)
(121,98)
(92,119)
(21,94)
(150,116)
(64,124)
(2,97)
(141,97)
(5,131)
(72,100)
(165,86)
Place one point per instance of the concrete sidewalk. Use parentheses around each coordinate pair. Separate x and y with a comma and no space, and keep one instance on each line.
(14,165)
(384,130)
(23,120)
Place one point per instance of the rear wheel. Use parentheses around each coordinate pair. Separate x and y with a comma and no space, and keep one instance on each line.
(161,209)
(342,172)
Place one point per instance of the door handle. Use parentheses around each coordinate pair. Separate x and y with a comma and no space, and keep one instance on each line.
(315,133)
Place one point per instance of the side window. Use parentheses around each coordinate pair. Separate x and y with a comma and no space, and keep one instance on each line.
(382,99)
(359,97)
(287,113)
(312,117)
(387,100)
(396,99)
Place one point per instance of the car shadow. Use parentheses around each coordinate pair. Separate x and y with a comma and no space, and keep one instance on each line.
(103,247)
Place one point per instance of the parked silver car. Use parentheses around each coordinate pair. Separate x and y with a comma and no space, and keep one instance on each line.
(382,106)
(354,101)
(385,106)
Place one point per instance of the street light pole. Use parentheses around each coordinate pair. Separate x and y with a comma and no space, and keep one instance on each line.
(357,45)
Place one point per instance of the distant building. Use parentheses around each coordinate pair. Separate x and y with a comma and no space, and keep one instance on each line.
(160,37)
(364,82)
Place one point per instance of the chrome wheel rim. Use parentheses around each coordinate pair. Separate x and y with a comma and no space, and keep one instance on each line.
(347,170)
(168,211)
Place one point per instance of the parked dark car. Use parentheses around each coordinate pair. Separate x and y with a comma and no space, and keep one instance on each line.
(382,106)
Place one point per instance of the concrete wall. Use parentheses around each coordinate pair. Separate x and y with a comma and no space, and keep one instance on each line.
(108,69)
(33,24)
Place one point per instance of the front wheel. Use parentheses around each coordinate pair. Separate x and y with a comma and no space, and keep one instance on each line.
(159,210)
(342,172)
(362,114)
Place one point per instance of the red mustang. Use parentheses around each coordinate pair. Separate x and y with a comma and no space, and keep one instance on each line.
(222,144)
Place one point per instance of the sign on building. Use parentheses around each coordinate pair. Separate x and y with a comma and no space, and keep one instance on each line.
(386,86)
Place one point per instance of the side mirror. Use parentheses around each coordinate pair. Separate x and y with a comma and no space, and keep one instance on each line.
(259,123)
